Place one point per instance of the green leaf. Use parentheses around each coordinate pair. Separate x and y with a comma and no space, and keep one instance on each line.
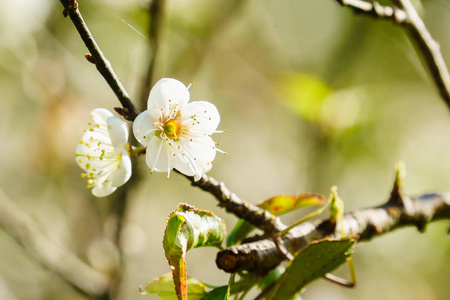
(164,288)
(222,292)
(278,205)
(188,228)
(304,94)
(317,259)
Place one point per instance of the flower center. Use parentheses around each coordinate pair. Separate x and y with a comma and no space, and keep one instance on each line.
(171,129)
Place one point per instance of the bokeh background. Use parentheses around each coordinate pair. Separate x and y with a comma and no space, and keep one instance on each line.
(310,96)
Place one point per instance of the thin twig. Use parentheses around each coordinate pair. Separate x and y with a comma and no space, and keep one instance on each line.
(406,15)
(129,111)
(429,48)
(365,224)
(55,258)
(375,10)
(155,12)
(258,217)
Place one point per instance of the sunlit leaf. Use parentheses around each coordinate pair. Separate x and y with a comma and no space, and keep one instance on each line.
(304,94)
(313,262)
(278,205)
(187,228)
(164,288)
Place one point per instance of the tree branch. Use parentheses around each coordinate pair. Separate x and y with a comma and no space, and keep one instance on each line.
(375,10)
(263,254)
(258,217)
(129,111)
(406,15)
(429,47)
(54,258)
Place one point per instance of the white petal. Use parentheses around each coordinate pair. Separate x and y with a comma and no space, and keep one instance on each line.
(99,115)
(93,143)
(157,156)
(123,171)
(198,176)
(203,150)
(118,132)
(103,189)
(143,128)
(94,135)
(168,89)
(199,153)
(184,165)
(203,115)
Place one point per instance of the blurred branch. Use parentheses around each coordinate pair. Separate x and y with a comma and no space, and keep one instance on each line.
(367,224)
(129,111)
(58,260)
(405,14)
(375,10)
(429,47)
(258,217)
(155,11)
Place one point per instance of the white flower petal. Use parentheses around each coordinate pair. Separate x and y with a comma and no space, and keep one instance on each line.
(99,115)
(103,189)
(123,171)
(203,116)
(118,133)
(184,165)
(107,165)
(157,156)
(177,134)
(203,152)
(168,89)
(143,128)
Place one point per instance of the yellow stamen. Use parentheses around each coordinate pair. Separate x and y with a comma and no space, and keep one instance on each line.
(171,129)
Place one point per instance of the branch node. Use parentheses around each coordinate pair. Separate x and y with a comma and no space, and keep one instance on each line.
(124,112)
(399,16)
(89,58)
(421,224)
(396,197)
(378,8)
(279,243)
(72,4)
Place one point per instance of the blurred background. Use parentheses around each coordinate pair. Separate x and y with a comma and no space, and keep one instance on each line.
(310,96)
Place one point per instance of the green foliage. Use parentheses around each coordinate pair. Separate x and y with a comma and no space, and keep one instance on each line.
(277,205)
(313,262)
(164,288)
(188,228)
(336,211)
(304,94)
(222,292)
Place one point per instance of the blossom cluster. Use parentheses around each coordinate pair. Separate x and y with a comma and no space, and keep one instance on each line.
(176,134)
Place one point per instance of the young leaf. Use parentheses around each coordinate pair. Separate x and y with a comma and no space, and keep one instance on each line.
(164,288)
(187,228)
(222,292)
(278,205)
(337,211)
(313,262)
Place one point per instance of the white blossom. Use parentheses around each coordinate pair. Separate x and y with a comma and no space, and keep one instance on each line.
(102,155)
(177,133)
